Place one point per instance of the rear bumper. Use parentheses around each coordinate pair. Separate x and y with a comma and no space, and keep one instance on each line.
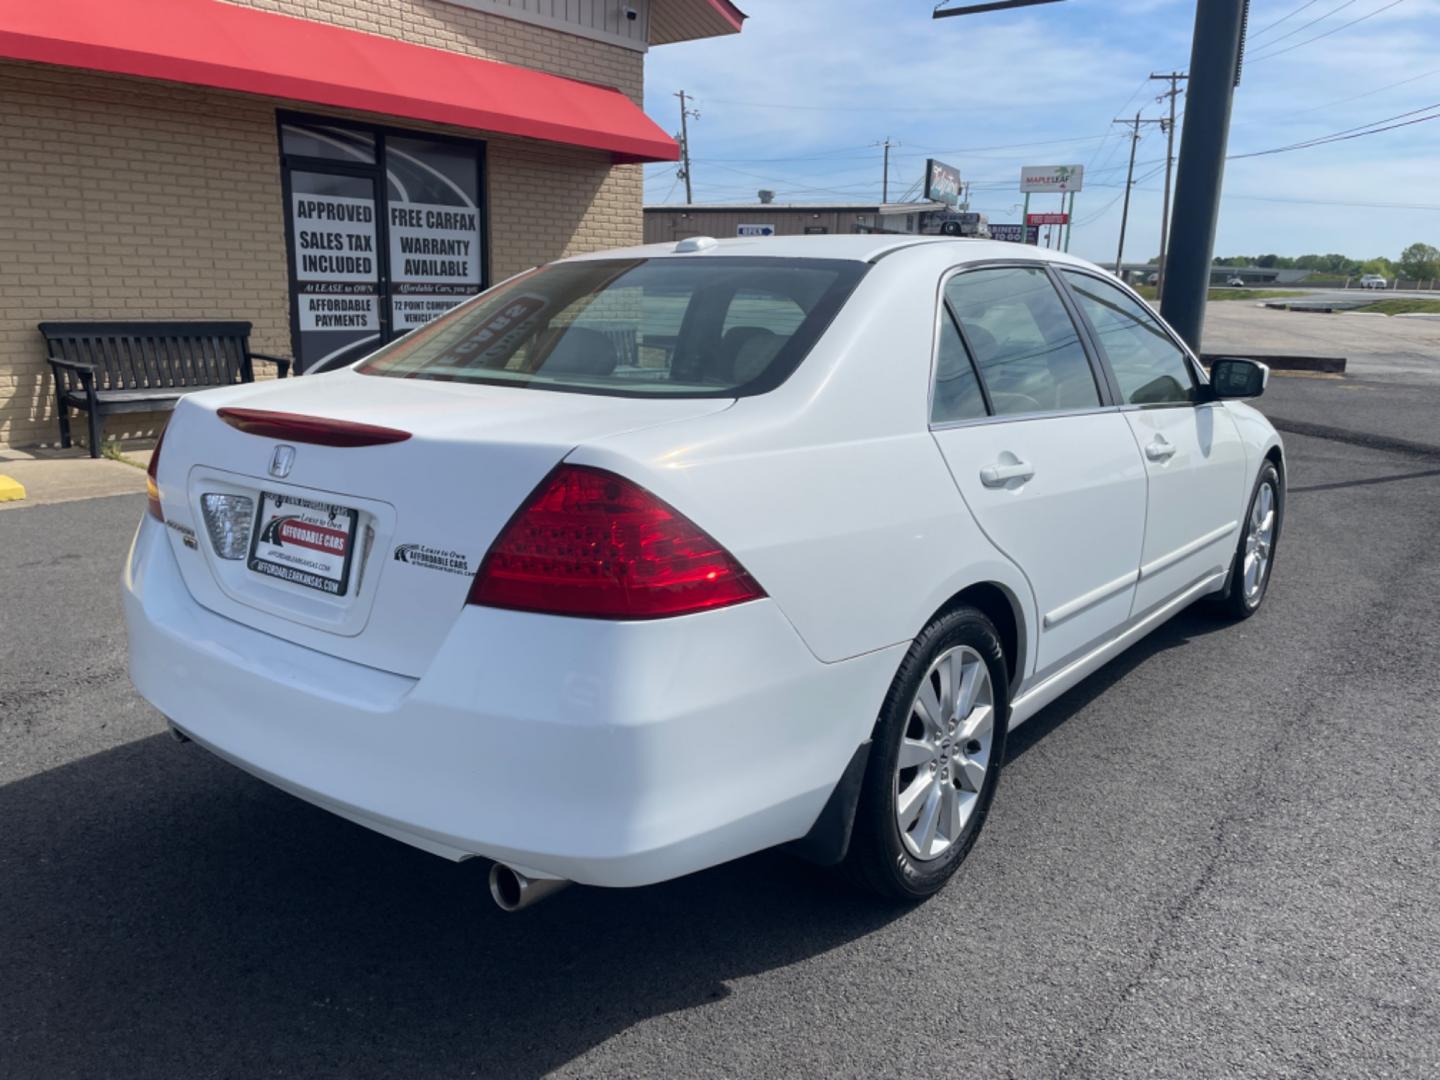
(604,752)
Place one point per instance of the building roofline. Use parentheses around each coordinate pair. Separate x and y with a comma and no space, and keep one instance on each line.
(870,207)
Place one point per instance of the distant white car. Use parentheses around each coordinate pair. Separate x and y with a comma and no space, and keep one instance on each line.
(1236,282)
(650,559)
(1374,281)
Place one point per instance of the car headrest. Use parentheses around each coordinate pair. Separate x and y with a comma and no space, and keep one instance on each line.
(985,344)
(755,356)
(582,351)
(731,342)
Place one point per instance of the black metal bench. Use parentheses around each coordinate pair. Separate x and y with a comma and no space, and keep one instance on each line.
(120,367)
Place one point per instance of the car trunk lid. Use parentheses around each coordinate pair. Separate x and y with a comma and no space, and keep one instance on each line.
(366,550)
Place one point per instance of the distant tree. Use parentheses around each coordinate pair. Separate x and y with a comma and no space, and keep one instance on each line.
(1420,261)
(1379,265)
(1234,260)
(1274,262)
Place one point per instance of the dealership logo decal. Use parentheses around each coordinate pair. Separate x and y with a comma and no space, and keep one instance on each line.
(281,461)
(452,562)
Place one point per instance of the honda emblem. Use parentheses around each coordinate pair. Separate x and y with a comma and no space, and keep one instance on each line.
(281,461)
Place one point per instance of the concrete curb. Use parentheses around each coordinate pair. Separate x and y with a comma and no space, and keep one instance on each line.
(1328,365)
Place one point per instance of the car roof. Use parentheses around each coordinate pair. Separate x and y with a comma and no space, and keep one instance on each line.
(857,247)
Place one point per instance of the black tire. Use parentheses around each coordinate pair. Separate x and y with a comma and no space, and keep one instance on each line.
(878,859)
(1232,603)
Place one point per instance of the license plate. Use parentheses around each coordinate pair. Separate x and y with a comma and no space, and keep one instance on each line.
(304,542)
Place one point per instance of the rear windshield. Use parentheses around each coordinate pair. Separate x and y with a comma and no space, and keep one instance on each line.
(701,327)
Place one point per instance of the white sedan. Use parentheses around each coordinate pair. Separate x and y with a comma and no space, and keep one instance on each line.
(647,560)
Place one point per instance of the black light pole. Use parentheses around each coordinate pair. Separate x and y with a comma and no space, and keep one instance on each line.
(990,5)
(1214,71)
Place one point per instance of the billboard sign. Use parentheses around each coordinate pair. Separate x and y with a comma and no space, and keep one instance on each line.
(754,230)
(1035,179)
(942,183)
(1016,233)
(1046,219)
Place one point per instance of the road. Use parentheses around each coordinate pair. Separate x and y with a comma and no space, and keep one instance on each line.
(1217,857)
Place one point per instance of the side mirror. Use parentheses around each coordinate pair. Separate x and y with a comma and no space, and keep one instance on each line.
(1236,377)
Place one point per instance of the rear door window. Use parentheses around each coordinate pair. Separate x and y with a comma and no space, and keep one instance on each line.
(1023,340)
(957,395)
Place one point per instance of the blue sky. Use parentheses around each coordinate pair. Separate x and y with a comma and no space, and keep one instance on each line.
(795,102)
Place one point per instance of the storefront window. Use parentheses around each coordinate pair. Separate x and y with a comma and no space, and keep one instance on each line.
(327,141)
(434,222)
(376,252)
(337,265)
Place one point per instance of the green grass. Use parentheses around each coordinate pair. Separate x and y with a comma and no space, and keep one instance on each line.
(1403,306)
(1148,292)
(114,453)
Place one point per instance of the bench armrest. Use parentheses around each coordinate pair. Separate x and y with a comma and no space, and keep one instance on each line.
(80,367)
(85,371)
(280,362)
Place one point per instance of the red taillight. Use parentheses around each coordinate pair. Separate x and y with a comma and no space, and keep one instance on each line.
(296,427)
(594,544)
(152,486)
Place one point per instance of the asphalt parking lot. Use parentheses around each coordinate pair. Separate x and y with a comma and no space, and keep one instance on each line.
(1218,857)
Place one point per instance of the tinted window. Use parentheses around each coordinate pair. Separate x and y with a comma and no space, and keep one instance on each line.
(693,327)
(957,391)
(1150,368)
(1023,340)
(757,323)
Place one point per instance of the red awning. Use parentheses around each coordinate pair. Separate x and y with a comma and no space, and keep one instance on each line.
(209,43)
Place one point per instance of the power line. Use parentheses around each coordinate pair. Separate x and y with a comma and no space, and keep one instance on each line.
(832,107)
(1327,33)
(1312,22)
(1283,18)
(1368,93)
(1329,202)
(1348,133)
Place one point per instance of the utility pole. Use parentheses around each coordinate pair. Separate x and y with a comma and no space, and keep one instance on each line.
(685,114)
(1129,182)
(1174,78)
(1214,71)
(885,180)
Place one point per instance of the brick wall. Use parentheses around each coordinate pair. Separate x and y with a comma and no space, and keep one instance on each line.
(476,33)
(127,198)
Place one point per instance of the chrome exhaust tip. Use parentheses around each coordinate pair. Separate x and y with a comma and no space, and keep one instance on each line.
(513,890)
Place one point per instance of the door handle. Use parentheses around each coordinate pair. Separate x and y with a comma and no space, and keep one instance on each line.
(1160,449)
(999,475)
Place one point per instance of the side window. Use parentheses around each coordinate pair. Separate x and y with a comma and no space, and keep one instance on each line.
(957,390)
(1150,368)
(1025,344)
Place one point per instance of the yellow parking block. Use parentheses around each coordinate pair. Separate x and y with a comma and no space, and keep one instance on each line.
(11,490)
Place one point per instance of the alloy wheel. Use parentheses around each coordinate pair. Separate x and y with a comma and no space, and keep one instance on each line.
(944,753)
(1259,542)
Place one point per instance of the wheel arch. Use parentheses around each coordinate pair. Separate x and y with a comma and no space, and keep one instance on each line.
(1276,455)
(1003,608)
